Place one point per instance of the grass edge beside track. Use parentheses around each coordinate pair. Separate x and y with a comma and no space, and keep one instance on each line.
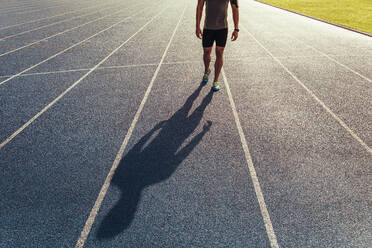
(316,18)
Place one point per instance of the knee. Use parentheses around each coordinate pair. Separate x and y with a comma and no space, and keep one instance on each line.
(207,54)
(219,54)
(219,57)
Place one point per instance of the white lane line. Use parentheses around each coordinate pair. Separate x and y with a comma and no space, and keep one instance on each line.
(76,83)
(319,51)
(104,68)
(24,10)
(25,7)
(125,66)
(55,23)
(92,216)
(341,122)
(256,184)
(81,69)
(183,62)
(47,72)
(149,64)
(330,58)
(57,34)
(17,9)
(76,44)
(45,18)
(31,11)
(252,58)
(31,4)
(39,3)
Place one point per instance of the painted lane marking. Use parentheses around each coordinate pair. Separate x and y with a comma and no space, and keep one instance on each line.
(147,64)
(256,184)
(315,49)
(103,68)
(287,57)
(45,18)
(81,69)
(88,225)
(14,9)
(28,5)
(55,23)
(18,7)
(332,59)
(341,122)
(65,92)
(57,34)
(31,11)
(76,44)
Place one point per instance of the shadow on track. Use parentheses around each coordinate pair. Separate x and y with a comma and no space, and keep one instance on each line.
(152,160)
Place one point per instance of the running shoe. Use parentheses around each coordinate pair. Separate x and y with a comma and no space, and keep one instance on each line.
(216,86)
(205,77)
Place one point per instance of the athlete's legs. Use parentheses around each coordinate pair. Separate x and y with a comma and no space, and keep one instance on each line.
(207,58)
(219,62)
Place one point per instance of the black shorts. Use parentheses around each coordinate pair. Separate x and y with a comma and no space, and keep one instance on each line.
(209,36)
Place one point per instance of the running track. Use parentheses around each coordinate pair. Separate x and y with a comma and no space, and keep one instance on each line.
(109,140)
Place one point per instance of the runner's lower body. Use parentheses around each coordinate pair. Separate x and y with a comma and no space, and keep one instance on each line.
(209,37)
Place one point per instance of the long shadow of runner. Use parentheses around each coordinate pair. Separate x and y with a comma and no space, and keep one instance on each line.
(144,166)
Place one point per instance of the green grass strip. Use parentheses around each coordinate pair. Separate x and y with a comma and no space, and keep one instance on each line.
(355,14)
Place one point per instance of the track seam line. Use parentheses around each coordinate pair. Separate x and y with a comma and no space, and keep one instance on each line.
(88,225)
(45,18)
(55,23)
(76,44)
(256,184)
(57,34)
(341,122)
(67,90)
